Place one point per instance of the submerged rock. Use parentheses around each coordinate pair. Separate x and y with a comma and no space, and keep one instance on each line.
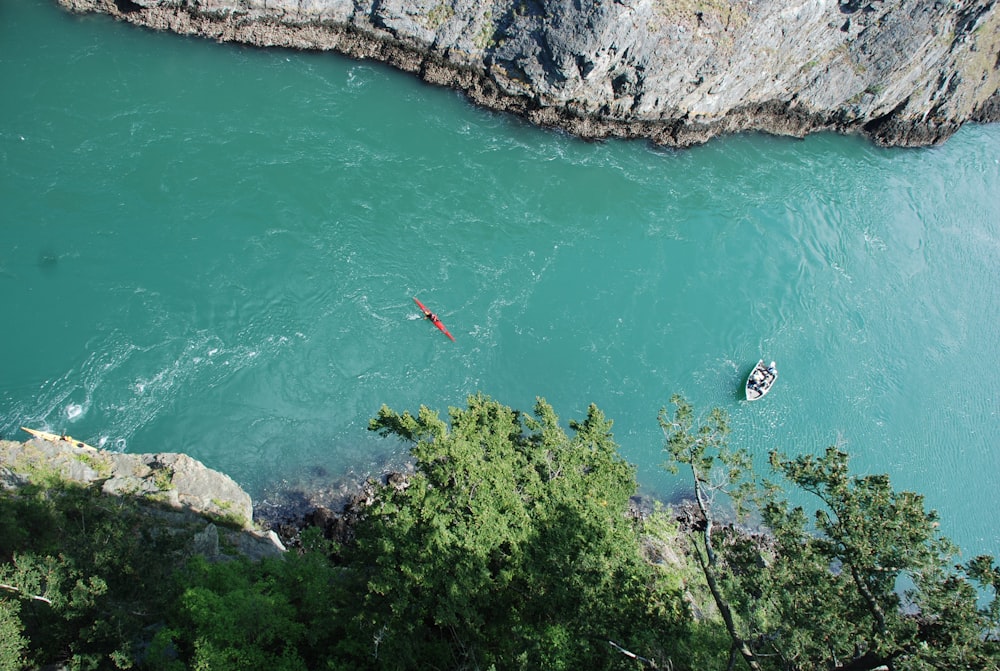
(673,71)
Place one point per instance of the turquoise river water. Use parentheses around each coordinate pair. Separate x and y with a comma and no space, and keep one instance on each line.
(212,249)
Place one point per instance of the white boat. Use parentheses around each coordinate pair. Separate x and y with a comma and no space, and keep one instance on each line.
(760,380)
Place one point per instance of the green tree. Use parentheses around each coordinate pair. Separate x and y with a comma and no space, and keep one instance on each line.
(510,546)
(700,449)
(902,602)
(272,614)
(84,573)
(12,643)
(866,583)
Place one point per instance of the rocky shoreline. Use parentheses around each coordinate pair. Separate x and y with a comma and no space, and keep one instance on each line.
(330,503)
(206,507)
(673,72)
(214,514)
(336,510)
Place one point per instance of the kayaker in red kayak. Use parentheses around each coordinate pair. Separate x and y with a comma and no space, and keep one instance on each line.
(433,318)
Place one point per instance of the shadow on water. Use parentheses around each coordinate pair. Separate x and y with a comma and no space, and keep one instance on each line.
(740,388)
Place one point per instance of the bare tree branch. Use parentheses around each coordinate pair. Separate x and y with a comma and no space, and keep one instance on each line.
(11,588)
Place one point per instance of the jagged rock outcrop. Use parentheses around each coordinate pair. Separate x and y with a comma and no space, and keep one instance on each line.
(902,72)
(181,492)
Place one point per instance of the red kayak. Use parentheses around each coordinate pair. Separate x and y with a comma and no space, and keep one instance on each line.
(434,318)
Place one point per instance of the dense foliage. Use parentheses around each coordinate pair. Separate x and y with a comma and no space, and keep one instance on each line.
(275,614)
(83,575)
(512,546)
(867,583)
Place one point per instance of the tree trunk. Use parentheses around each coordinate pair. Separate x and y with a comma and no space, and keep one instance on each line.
(708,568)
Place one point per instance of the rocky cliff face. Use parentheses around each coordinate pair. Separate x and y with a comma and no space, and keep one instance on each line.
(902,72)
(181,492)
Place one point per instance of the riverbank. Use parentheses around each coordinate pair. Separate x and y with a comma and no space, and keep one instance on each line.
(165,603)
(195,502)
(676,74)
(208,505)
(110,535)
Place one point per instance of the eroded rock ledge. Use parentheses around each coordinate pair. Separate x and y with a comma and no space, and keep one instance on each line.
(207,507)
(677,72)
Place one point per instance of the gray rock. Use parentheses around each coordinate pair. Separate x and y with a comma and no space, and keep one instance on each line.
(206,542)
(256,545)
(176,479)
(674,71)
(191,491)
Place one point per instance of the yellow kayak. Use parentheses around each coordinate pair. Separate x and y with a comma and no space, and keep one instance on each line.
(55,438)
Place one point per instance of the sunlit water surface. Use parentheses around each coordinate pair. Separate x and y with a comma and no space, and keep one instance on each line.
(213,249)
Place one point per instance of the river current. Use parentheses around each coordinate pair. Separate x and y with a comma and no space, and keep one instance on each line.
(213,249)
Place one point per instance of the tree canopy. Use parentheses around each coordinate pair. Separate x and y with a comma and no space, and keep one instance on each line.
(513,545)
(510,546)
(866,582)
